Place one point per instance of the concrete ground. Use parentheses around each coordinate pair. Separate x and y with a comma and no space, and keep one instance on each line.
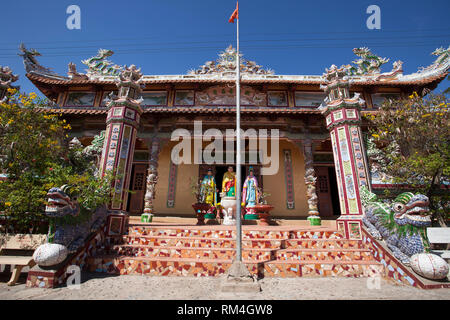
(95,286)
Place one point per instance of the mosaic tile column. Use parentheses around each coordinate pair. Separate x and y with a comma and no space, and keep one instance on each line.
(152,179)
(342,114)
(121,127)
(310,181)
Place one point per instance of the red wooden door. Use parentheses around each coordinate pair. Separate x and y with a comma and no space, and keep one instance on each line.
(324,192)
(138,186)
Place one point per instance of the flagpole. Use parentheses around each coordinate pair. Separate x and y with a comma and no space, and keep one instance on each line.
(238,150)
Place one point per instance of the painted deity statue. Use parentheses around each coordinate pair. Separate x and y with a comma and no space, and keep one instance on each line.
(208,189)
(250,192)
(229,183)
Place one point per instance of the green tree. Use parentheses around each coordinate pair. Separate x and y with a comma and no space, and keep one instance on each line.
(35,156)
(413,138)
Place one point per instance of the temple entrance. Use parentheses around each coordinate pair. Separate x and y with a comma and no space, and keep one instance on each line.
(138,179)
(334,191)
(327,192)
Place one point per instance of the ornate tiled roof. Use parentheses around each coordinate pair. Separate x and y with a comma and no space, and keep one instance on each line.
(281,79)
(194,110)
(202,109)
(365,71)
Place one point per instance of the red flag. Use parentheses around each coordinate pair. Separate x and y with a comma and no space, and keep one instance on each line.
(235,14)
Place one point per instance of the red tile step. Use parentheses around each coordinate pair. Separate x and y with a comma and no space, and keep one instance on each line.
(323,244)
(229,232)
(215,267)
(210,242)
(247,253)
(191,252)
(173,241)
(284,251)
(324,254)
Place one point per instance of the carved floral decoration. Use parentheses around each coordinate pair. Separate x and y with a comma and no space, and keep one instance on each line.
(226,95)
(226,64)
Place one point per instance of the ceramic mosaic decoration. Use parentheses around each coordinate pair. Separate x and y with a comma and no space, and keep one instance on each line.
(429,266)
(50,254)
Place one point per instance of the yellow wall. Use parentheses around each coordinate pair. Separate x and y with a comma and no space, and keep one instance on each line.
(183,196)
(274,184)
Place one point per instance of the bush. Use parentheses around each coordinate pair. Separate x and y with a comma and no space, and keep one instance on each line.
(35,156)
(413,139)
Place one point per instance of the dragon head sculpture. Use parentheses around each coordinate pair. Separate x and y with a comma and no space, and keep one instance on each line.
(412,209)
(66,237)
(105,53)
(60,204)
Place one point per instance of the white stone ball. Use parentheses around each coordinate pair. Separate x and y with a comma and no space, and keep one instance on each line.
(429,266)
(50,254)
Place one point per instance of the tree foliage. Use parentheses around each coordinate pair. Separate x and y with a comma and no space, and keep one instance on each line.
(413,138)
(35,156)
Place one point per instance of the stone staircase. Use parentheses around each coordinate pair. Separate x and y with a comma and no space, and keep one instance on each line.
(274,251)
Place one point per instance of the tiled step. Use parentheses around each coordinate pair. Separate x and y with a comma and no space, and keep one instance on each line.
(228,232)
(323,254)
(263,243)
(323,244)
(194,252)
(202,242)
(178,250)
(247,253)
(215,267)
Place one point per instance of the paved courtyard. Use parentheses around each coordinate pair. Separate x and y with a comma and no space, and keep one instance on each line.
(99,286)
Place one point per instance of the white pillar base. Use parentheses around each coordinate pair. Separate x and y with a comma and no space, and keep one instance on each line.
(229,221)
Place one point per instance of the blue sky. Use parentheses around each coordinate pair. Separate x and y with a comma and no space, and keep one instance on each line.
(173,36)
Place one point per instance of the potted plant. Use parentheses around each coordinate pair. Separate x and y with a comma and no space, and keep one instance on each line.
(262,208)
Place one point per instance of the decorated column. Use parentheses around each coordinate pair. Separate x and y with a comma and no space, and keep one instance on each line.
(121,127)
(152,179)
(342,114)
(310,181)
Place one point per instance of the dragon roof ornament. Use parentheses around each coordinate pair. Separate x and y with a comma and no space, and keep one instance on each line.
(226,65)
(368,64)
(365,70)
(31,63)
(442,60)
(7,77)
(98,65)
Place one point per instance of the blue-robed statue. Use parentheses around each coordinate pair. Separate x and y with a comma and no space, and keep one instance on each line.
(250,192)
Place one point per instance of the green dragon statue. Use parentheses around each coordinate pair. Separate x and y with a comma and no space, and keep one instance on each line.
(401,224)
(442,60)
(99,65)
(369,64)
(442,55)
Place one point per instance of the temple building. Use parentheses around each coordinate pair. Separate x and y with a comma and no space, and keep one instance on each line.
(320,154)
